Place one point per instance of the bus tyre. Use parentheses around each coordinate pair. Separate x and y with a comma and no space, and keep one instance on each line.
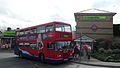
(42,58)
(20,54)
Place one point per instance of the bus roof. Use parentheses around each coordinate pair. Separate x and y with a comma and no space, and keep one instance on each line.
(43,25)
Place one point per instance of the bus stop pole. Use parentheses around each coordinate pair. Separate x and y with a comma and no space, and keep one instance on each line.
(80,45)
(92,46)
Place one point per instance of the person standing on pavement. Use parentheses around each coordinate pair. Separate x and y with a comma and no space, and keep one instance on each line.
(88,51)
(84,47)
(76,51)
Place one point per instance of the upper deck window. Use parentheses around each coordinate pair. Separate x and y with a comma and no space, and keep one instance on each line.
(27,31)
(63,28)
(41,29)
(49,28)
(17,33)
(33,30)
(20,32)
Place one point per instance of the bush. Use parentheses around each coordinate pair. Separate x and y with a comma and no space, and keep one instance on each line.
(107,57)
(96,45)
(103,43)
(116,51)
(109,51)
(99,56)
(101,50)
(115,45)
(113,58)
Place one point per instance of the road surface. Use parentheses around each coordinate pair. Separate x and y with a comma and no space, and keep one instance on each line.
(9,60)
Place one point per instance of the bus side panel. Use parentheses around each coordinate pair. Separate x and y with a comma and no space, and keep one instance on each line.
(25,53)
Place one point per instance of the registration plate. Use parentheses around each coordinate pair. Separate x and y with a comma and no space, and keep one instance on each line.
(65,59)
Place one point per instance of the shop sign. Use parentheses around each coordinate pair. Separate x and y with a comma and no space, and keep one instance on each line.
(95,17)
(9,33)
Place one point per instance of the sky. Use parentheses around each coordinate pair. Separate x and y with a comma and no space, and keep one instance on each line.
(25,13)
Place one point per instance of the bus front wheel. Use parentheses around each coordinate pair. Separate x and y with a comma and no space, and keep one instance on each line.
(42,58)
(20,54)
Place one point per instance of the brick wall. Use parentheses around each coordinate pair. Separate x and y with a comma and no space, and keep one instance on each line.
(100,25)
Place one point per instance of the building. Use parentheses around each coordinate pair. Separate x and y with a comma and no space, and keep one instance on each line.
(116,30)
(7,38)
(94,23)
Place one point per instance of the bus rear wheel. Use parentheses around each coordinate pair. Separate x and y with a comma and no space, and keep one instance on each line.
(42,58)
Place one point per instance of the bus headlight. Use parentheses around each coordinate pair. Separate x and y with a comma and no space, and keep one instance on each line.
(59,55)
(71,54)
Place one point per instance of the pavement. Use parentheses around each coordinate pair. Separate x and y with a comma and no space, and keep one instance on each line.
(6,50)
(95,62)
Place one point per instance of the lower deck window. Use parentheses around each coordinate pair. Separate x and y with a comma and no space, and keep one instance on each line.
(50,46)
(59,45)
(27,45)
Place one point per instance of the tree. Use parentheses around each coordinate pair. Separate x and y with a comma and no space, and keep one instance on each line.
(8,29)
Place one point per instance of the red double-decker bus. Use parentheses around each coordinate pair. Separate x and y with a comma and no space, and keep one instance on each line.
(46,42)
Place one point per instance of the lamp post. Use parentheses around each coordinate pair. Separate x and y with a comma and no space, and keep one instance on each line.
(80,45)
